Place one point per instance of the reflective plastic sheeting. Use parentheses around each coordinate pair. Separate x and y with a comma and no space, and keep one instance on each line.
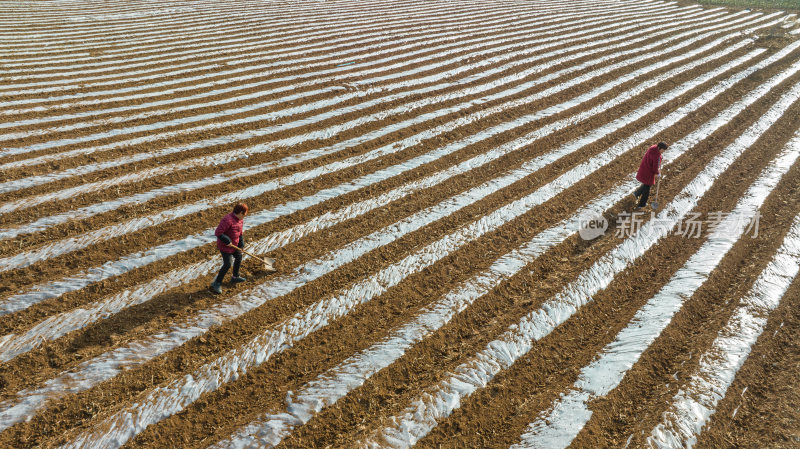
(558,427)
(421,414)
(694,404)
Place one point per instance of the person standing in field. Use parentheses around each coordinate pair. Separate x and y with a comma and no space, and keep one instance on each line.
(649,171)
(229,242)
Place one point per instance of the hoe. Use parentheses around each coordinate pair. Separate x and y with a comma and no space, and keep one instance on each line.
(654,204)
(269,262)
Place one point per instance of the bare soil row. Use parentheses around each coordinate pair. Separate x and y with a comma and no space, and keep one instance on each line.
(162,233)
(492,417)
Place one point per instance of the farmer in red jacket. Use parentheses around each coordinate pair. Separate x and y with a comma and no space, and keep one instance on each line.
(229,232)
(649,170)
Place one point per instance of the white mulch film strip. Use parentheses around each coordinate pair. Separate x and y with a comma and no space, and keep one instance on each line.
(183,91)
(98,370)
(69,14)
(37,398)
(286,41)
(203,26)
(204,16)
(139,198)
(228,82)
(164,401)
(191,66)
(276,35)
(49,329)
(128,263)
(287,112)
(195,23)
(71,193)
(329,68)
(130,109)
(107,233)
(693,405)
(281,51)
(367,83)
(395,273)
(353,372)
(57,288)
(104,234)
(557,427)
(325,133)
(353,9)
(438,402)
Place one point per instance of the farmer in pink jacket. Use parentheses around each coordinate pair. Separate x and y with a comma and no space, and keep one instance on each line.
(229,232)
(648,172)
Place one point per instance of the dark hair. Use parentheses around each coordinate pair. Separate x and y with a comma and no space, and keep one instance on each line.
(240,208)
(662,145)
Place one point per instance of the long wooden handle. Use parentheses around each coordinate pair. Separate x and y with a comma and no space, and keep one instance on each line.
(659,178)
(658,186)
(246,252)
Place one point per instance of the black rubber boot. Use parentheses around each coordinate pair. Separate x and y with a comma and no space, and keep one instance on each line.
(215,287)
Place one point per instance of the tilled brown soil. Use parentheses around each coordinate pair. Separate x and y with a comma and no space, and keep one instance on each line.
(764,395)
(570,348)
(653,381)
(495,416)
(378,219)
(204,172)
(159,234)
(531,386)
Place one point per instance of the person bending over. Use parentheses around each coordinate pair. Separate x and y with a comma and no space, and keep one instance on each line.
(649,170)
(230,232)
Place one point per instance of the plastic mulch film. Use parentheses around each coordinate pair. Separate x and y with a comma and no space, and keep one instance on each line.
(558,427)
(421,416)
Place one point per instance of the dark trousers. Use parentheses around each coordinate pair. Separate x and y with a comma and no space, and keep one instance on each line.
(643,192)
(227,259)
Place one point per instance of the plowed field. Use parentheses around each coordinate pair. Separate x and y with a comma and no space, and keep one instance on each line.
(424,174)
